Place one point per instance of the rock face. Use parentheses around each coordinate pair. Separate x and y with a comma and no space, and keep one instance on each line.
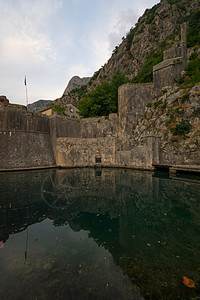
(3,101)
(39,105)
(158,28)
(76,82)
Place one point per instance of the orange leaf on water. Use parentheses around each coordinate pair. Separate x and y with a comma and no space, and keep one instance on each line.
(188,282)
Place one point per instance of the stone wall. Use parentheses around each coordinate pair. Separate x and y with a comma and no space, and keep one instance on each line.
(132,100)
(73,152)
(174,61)
(99,127)
(24,140)
(29,140)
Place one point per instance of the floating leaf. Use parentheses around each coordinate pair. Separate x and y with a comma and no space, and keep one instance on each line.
(188,282)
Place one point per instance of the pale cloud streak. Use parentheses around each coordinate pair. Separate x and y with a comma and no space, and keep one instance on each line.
(121,25)
(50,41)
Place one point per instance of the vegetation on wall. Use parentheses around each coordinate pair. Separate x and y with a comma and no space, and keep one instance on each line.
(193,36)
(103,100)
(192,75)
(146,73)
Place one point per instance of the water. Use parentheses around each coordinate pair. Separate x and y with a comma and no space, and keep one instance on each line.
(98,234)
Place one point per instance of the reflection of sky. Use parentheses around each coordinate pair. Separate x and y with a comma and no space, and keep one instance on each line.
(71,255)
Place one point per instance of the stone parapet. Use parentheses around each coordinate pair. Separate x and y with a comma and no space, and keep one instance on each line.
(167,63)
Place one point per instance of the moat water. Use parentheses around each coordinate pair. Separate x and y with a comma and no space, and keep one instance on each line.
(99,234)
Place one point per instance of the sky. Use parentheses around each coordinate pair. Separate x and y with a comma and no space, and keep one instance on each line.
(50,41)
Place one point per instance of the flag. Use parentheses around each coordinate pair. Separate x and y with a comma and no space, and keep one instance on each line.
(25,80)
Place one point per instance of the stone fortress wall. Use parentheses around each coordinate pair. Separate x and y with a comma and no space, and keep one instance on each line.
(30,140)
(24,140)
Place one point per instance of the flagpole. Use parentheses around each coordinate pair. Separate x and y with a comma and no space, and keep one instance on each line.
(26,96)
(26,91)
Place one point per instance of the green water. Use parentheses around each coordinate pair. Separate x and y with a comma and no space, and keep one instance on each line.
(98,234)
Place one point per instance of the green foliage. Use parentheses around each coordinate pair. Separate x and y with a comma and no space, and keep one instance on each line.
(157,103)
(193,56)
(193,37)
(164,91)
(182,128)
(153,58)
(59,109)
(103,100)
(193,67)
(130,36)
(185,97)
(149,104)
(146,73)
(170,120)
(95,75)
(192,74)
(81,91)
(115,50)
(182,7)
(173,1)
(141,29)
(151,13)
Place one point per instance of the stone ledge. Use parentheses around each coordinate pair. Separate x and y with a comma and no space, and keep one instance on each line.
(185,168)
(168,62)
(28,169)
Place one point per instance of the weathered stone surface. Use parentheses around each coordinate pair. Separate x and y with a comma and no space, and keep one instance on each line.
(4,101)
(132,101)
(72,152)
(39,105)
(140,136)
(168,71)
(24,140)
(76,82)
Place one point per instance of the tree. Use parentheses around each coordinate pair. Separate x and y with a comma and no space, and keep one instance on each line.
(103,100)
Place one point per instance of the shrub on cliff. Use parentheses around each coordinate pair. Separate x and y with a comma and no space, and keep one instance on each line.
(193,37)
(103,100)
(192,74)
(182,128)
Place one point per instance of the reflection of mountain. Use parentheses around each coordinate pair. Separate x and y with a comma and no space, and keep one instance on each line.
(149,224)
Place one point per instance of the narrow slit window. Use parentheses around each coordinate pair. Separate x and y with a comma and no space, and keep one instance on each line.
(98,160)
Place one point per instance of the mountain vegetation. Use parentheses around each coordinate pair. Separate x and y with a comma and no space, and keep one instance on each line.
(103,99)
(142,48)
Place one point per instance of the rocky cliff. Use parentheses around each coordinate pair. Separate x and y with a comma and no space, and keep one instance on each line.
(76,82)
(39,105)
(157,30)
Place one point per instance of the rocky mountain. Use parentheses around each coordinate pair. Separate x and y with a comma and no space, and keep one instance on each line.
(39,105)
(76,82)
(157,30)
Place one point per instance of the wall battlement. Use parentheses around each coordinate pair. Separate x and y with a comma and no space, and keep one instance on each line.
(174,61)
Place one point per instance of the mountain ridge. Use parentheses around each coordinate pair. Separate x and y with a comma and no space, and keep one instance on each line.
(156,30)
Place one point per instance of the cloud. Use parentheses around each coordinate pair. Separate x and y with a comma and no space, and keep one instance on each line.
(50,41)
(25,40)
(121,25)
(25,43)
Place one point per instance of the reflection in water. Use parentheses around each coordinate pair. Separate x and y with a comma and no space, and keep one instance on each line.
(98,234)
